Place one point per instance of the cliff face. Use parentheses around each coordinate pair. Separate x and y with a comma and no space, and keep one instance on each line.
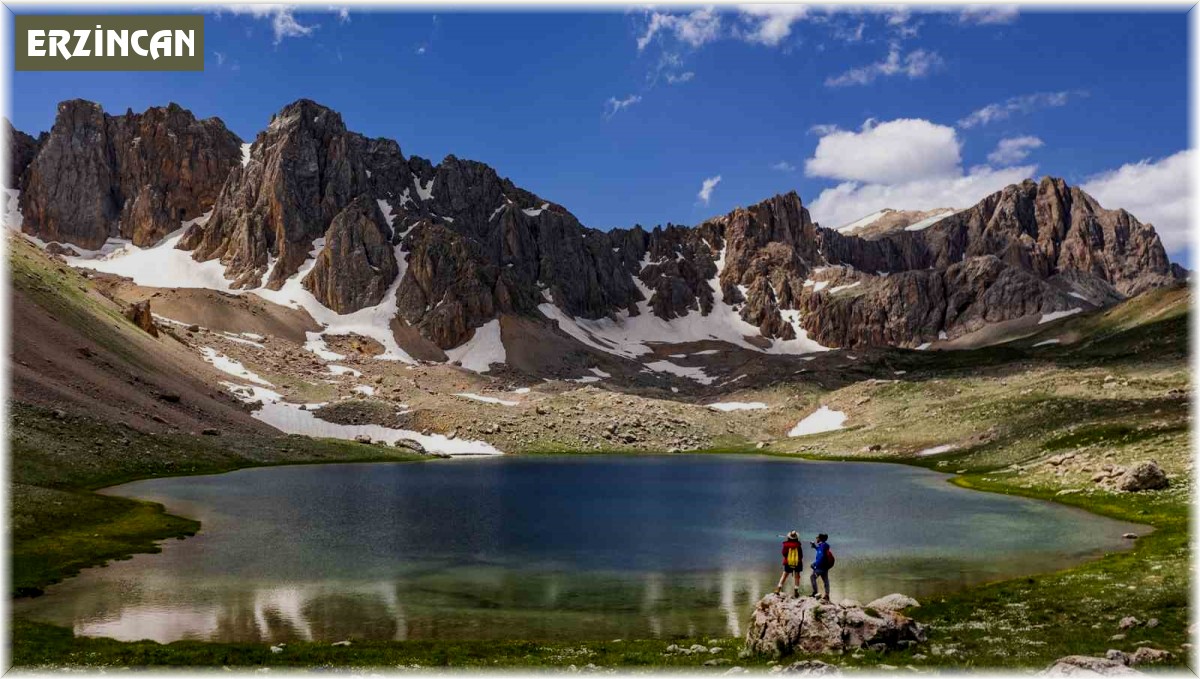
(21,150)
(460,245)
(136,176)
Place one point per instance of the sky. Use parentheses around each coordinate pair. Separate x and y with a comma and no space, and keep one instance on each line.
(651,116)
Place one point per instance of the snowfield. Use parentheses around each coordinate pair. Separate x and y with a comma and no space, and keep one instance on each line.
(482,350)
(823,419)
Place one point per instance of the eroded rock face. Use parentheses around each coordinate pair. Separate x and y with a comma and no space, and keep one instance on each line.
(21,150)
(137,176)
(303,171)
(783,625)
(357,264)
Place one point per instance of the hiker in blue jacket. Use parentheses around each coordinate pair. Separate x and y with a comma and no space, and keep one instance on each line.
(822,562)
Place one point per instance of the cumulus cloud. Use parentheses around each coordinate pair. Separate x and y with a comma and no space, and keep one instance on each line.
(706,188)
(1013,150)
(696,28)
(907,164)
(850,201)
(769,24)
(1154,191)
(1026,103)
(988,14)
(614,106)
(916,64)
(888,152)
(283,21)
(783,166)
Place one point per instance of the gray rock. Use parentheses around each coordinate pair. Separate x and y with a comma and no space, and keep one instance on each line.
(781,625)
(1086,666)
(1148,656)
(1143,476)
(893,602)
(1128,622)
(812,668)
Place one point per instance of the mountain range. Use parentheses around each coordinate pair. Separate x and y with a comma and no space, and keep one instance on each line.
(451,261)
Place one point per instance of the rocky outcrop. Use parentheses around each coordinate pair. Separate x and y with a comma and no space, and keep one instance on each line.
(136,176)
(782,625)
(302,172)
(1143,476)
(22,149)
(139,314)
(357,265)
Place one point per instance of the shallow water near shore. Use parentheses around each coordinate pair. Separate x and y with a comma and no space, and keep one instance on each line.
(570,547)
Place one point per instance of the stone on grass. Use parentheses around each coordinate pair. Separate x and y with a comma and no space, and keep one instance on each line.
(1086,666)
(782,625)
(1148,656)
(1143,476)
(893,602)
(812,668)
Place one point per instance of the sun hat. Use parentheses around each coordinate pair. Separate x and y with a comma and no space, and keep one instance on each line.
(794,535)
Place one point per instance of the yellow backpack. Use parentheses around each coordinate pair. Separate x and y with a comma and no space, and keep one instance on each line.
(793,557)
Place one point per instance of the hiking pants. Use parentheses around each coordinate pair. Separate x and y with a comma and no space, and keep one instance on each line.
(824,575)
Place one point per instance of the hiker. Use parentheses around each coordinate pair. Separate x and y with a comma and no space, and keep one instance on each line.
(793,562)
(822,562)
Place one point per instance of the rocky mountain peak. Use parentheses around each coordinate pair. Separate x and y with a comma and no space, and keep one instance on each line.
(135,176)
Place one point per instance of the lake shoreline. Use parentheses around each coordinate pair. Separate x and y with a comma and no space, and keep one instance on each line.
(29,631)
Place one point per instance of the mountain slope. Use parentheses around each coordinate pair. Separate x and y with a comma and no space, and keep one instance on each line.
(426,259)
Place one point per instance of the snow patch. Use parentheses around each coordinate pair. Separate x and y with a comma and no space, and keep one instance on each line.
(821,420)
(488,399)
(424,192)
(230,366)
(533,212)
(343,370)
(1055,315)
(246,153)
(697,374)
(930,221)
(728,406)
(937,450)
(482,350)
(865,221)
(293,418)
(364,389)
(1048,342)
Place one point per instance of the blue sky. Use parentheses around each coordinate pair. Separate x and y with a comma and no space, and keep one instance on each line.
(622,116)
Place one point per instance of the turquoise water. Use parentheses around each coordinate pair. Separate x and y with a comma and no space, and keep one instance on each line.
(547,547)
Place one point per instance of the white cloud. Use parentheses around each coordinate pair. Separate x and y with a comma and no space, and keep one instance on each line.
(1022,104)
(783,166)
(283,22)
(885,153)
(220,58)
(343,15)
(850,201)
(988,14)
(916,64)
(696,29)
(1154,191)
(770,24)
(614,106)
(1013,150)
(907,164)
(706,188)
(681,78)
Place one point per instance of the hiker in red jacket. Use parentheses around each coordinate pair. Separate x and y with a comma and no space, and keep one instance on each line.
(793,562)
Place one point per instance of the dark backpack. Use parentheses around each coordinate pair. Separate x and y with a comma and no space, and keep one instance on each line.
(828,561)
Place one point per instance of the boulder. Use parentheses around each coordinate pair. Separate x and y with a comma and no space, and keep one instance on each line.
(1148,656)
(893,602)
(139,314)
(411,445)
(780,626)
(1143,476)
(1087,666)
(1128,622)
(362,438)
